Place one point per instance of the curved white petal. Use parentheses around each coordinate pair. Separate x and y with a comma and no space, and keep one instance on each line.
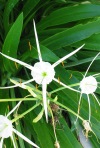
(37,42)
(66,86)
(8,87)
(25,138)
(18,104)
(79,107)
(44,86)
(91,64)
(89,107)
(1,143)
(96,99)
(12,138)
(17,61)
(96,74)
(67,56)
(13,86)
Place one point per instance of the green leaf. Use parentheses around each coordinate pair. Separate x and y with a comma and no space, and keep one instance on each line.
(39,116)
(29,6)
(11,43)
(41,129)
(47,54)
(66,137)
(9,6)
(72,35)
(70,14)
(92,43)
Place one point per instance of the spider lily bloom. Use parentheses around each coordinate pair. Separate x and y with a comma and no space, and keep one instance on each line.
(7,130)
(43,72)
(88,86)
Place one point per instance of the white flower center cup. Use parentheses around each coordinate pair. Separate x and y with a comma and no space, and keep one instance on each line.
(6,127)
(88,85)
(43,72)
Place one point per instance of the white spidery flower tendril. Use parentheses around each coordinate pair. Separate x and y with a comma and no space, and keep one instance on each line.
(88,86)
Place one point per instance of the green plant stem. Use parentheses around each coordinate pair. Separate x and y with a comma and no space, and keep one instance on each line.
(18,99)
(26,112)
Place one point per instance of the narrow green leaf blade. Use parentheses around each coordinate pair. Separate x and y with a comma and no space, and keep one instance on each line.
(11,43)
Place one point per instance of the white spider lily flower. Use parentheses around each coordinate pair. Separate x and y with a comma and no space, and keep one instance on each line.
(7,129)
(88,86)
(43,72)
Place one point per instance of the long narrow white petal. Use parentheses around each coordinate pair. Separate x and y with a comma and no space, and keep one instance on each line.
(18,104)
(96,74)
(44,86)
(79,107)
(18,61)
(91,64)
(8,87)
(66,86)
(13,86)
(22,85)
(96,99)
(89,107)
(67,56)
(12,138)
(37,42)
(1,143)
(24,138)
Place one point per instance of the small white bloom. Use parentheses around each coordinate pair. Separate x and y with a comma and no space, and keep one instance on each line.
(43,72)
(5,127)
(6,131)
(88,85)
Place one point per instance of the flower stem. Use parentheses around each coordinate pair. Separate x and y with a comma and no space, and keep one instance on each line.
(26,112)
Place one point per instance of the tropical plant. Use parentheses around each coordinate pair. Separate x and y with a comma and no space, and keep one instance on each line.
(62,27)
